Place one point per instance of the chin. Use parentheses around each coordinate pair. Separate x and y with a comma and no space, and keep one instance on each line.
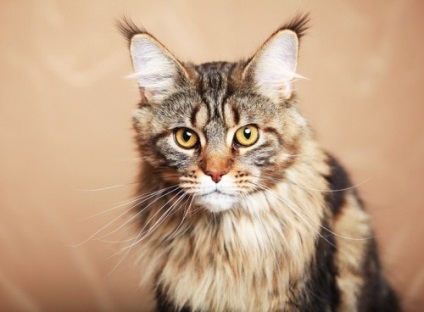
(216,202)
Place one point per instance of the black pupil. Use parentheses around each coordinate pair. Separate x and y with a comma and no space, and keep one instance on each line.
(247,133)
(187,135)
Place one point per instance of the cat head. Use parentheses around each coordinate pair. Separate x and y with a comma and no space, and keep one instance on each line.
(220,131)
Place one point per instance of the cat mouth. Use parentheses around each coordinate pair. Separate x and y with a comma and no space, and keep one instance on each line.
(218,192)
(216,201)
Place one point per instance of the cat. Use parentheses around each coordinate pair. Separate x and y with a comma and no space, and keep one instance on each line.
(244,210)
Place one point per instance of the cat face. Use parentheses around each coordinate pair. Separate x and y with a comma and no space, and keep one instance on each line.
(220,131)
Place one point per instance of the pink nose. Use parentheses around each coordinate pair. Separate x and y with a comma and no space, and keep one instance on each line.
(216,176)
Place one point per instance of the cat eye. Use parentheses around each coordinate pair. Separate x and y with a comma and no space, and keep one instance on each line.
(185,137)
(247,135)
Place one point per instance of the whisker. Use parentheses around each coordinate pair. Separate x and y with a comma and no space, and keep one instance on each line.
(289,204)
(141,232)
(329,191)
(138,213)
(113,241)
(106,187)
(297,212)
(186,211)
(113,221)
(269,177)
(141,236)
(166,214)
(332,191)
(127,202)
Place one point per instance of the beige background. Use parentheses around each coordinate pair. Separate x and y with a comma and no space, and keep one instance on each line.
(65,130)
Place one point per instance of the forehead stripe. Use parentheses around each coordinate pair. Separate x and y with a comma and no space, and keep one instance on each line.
(193,118)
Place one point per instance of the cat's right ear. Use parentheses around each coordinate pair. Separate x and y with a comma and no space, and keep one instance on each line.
(157,71)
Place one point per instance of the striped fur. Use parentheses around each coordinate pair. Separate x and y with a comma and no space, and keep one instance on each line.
(281,229)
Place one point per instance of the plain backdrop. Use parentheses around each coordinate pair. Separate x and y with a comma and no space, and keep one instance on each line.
(67,155)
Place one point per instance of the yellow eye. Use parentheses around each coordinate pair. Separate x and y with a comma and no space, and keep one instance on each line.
(247,135)
(186,138)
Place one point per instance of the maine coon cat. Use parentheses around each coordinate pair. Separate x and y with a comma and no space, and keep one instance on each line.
(244,210)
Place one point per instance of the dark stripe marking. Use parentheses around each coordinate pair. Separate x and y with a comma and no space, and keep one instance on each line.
(338,181)
(321,292)
(193,118)
(163,304)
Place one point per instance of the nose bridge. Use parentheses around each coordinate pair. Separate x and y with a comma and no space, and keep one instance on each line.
(216,165)
(216,156)
(217,162)
(215,134)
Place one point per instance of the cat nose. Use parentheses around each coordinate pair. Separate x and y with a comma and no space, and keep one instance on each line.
(216,175)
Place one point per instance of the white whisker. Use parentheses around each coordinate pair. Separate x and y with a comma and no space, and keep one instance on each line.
(138,213)
(186,211)
(106,187)
(114,220)
(332,191)
(141,235)
(127,202)
(297,211)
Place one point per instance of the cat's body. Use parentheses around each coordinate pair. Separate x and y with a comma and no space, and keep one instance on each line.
(250,214)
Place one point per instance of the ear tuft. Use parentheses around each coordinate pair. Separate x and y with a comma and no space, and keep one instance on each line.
(299,24)
(128,28)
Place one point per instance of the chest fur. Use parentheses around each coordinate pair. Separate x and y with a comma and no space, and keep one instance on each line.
(245,262)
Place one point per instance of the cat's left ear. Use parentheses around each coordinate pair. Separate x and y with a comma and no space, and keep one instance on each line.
(273,68)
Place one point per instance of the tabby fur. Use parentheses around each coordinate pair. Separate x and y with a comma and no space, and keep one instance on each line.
(283,228)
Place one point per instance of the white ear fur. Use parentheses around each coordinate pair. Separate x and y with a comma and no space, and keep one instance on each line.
(154,68)
(274,66)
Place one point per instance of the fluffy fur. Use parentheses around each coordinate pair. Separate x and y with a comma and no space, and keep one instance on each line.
(273,226)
